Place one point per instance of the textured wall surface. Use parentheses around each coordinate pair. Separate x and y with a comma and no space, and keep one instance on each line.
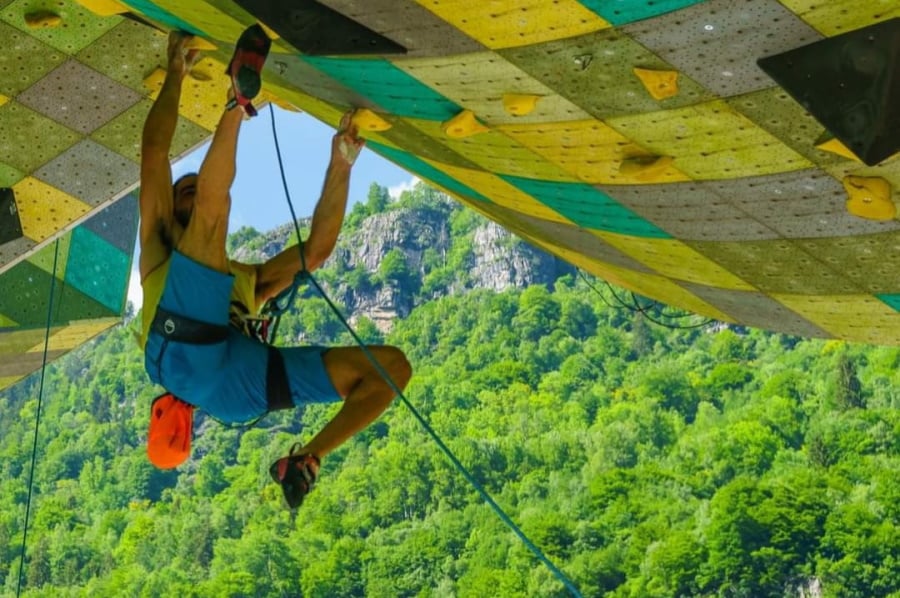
(707,187)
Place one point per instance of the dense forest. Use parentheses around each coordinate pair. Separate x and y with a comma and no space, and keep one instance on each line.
(644,460)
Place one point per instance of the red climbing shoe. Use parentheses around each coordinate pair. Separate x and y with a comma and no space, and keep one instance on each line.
(245,67)
(297,475)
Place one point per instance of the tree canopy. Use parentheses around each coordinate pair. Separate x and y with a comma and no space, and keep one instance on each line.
(644,461)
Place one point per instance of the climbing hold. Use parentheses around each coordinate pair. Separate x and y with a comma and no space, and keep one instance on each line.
(267,97)
(198,43)
(462,125)
(269,31)
(42,19)
(104,8)
(660,84)
(583,61)
(835,146)
(645,168)
(199,74)
(519,104)
(870,197)
(366,120)
(154,81)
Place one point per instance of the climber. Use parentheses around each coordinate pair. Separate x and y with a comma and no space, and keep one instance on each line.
(192,291)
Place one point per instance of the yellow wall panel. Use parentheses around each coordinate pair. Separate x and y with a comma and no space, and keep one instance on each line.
(497,153)
(19,341)
(6,381)
(676,259)
(648,285)
(589,150)
(508,23)
(45,210)
(710,141)
(203,94)
(478,82)
(840,16)
(321,110)
(74,335)
(206,17)
(860,317)
(501,192)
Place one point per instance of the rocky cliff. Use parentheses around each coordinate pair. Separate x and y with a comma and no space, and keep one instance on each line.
(417,248)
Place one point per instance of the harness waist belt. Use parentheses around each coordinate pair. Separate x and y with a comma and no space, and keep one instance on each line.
(173,327)
(186,330)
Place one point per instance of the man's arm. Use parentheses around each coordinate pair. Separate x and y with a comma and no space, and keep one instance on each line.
(156,202)
(278,273)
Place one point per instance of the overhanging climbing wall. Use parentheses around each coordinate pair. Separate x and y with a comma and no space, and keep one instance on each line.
(637,139)
(89,275)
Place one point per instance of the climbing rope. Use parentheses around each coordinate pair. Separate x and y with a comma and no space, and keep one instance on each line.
(644,310)
(504,517)
(37,419)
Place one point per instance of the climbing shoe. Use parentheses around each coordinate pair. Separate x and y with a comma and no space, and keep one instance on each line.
(245,67)
(297,475)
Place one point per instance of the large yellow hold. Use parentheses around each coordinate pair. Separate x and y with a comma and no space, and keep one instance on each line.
(366,120)
(462,125)
(870,197)
(659,84)
(520,104)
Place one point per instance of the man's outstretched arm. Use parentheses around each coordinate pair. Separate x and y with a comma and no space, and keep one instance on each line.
(278,273)
(156,140)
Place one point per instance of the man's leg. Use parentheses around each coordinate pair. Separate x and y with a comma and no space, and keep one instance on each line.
(366,394)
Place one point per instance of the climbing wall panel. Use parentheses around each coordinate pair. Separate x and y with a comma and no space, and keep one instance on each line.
(85,271)
(638,139)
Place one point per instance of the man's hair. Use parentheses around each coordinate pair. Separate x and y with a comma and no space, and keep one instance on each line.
(179,179)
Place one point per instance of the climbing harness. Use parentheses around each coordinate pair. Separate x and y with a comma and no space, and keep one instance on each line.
(504,517)
(170,428)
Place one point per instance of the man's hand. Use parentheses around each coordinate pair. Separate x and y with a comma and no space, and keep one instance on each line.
(181,59)
(347,143)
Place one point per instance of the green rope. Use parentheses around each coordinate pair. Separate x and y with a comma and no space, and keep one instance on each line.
(37,420)
(431,432)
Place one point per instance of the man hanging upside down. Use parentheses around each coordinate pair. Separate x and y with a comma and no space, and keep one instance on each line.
(189,285)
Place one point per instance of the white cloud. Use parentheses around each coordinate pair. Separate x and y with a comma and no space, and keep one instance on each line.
(395,190)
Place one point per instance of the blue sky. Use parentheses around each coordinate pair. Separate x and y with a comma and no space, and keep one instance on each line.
(257,196)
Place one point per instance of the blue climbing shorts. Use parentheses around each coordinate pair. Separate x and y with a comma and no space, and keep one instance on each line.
(226,379)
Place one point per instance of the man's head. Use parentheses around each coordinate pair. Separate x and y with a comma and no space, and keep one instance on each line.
(183,191)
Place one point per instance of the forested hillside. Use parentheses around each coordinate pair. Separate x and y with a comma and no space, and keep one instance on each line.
(645,461)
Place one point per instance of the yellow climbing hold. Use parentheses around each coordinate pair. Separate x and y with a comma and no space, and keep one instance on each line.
(269,31)
(198,43)
(3,99)
(462,125)
(154,81)
(42,19)
(267,96)
(870,197)
(646,168)
(104,8)
(660,84)
(367,120)
(835,146)
(520,104)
